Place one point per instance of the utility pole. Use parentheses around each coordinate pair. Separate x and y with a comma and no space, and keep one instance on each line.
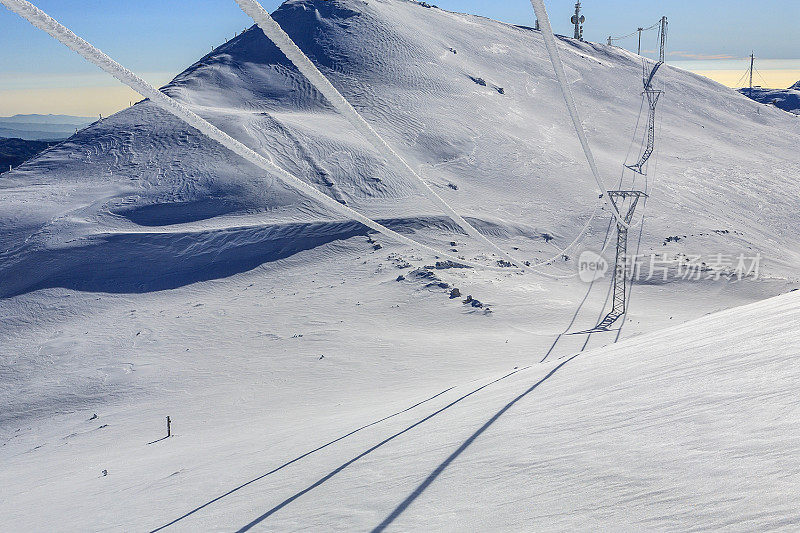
(662,57)
(752,67)
(639,51)
(578,20)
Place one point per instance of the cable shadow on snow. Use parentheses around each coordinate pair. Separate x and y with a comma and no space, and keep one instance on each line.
(580,307)
(322,480)
(439,469)
(288,463)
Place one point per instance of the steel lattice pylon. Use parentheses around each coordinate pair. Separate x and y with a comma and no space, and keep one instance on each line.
(621,265)
(652,99)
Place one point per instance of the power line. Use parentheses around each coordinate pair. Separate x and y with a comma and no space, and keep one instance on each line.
(634,32)
(612,39)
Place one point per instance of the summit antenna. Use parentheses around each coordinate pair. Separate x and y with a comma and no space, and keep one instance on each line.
(578,20)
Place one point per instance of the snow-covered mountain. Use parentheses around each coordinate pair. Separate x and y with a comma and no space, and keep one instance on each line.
(147,272)
(419,84)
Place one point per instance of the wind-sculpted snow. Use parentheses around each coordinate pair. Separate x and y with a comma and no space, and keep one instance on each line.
(276,34)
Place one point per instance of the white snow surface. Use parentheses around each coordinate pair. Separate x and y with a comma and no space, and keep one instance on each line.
(145,272)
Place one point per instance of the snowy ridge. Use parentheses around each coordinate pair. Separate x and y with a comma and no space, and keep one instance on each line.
(44,22)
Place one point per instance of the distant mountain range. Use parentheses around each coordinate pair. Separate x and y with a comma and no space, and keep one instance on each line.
(42,127)
(786,99)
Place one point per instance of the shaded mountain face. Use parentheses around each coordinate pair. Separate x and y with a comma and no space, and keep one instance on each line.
(785,99)
(14,152)
(472,103)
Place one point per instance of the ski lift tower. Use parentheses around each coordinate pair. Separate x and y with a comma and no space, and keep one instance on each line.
(578,20)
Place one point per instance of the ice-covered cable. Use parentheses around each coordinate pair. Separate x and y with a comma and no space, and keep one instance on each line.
(558,67)
(281,39)
(44,22)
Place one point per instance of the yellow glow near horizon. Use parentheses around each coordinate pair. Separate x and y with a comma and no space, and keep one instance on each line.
(91,99)
(775,79)
(78,101)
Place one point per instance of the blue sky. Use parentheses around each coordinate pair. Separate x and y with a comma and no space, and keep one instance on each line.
(160,38)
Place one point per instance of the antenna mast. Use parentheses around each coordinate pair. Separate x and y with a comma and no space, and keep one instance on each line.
(752,67)
(578,20)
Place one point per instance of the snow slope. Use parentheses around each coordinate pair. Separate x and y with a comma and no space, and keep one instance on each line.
(147,272)
(677,430)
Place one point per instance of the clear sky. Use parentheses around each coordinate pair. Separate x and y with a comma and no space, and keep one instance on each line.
(158,39)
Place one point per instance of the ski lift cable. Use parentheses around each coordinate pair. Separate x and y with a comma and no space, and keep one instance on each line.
(640,223)
(558,67)
(44,22)
(656,155)
(273,31)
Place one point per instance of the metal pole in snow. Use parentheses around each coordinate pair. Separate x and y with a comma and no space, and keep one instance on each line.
(640,30)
